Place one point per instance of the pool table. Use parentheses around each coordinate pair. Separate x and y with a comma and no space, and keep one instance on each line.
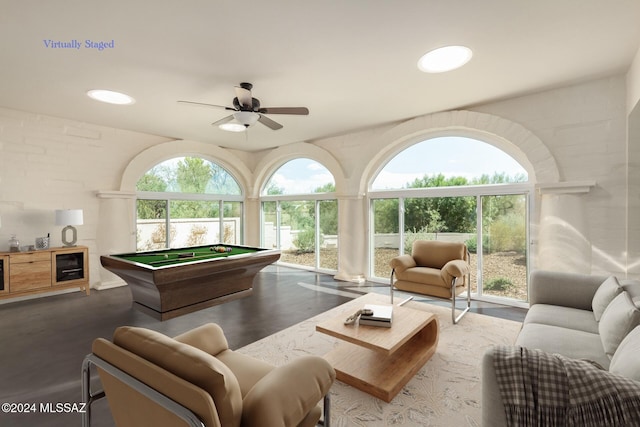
(172,282)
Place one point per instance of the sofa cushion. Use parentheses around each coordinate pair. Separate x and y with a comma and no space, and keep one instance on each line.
(632,287)
(626,359)
(568,342)
(607,291)
(189,363)
(564,317)
(620,317)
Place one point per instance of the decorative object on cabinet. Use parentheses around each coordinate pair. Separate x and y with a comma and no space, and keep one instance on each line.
(14,244)
(69,218)
(42,242)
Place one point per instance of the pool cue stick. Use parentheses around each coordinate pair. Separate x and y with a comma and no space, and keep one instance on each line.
(405,301)
(210,255)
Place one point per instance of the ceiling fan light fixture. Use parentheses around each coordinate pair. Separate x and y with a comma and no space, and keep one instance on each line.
(110,97)
(444,59)
(247,111)
(233,126)
(247,118)
(241,121)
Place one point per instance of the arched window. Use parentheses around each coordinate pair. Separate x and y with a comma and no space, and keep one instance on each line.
(188,201)
(300,214)
(450,161)
(456,189)
(300,176)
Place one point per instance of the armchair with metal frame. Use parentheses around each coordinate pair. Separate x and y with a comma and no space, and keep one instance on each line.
(195,380)
(436,269)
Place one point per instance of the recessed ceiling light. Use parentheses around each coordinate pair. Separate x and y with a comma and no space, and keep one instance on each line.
(110,97)
(444,59)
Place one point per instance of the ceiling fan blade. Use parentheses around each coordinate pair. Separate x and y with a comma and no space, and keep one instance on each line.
(269,123)
(244,96)
(223,120)
(201,104)
(302,111)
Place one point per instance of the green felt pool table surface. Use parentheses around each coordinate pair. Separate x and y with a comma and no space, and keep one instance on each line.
(162,258)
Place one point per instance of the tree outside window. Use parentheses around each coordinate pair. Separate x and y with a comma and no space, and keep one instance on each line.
(182,203)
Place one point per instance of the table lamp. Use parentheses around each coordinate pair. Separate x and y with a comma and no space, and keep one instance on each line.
(69,218)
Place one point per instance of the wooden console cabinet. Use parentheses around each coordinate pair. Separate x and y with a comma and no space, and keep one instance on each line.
(26,273)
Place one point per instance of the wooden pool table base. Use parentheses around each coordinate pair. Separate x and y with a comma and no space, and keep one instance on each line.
(171,291)
(170,314)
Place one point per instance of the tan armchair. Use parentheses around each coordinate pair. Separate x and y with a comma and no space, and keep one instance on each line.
(434,268)
(194,379)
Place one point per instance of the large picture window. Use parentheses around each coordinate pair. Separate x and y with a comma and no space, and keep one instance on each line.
(188,201)
(455,189)
(300,215)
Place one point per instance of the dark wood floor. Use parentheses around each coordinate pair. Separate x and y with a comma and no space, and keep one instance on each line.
(43,341)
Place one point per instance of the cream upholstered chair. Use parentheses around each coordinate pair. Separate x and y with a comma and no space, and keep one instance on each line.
(434,268)
(150,379)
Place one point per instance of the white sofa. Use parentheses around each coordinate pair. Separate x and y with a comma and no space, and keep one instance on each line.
(577,316)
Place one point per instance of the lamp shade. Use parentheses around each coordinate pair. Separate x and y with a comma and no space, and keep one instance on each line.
(69,217)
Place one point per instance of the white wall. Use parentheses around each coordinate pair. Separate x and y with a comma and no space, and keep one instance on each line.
(633,83)
(633,167)
(48,163)
(578,133)
(584,126)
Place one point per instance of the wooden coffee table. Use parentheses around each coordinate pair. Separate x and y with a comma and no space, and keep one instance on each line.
(380,361)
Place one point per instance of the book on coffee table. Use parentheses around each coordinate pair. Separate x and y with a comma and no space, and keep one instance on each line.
(382,316)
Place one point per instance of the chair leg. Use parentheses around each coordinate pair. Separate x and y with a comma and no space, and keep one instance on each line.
(393,270)
(453,300)
(326,421)
(86,393)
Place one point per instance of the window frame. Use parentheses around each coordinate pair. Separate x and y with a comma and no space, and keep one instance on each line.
(527,188)
(168,196)
(312,197)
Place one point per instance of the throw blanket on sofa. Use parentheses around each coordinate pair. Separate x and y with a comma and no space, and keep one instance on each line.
(543,389)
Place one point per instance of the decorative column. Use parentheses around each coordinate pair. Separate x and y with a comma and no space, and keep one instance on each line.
(252,221)
(116,231)
(352,238)
(565,244)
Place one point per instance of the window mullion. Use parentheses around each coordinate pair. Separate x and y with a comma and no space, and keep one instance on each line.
(401,224)
(317,233)
(168,225)
(221,222)
(479,248)
(278,224)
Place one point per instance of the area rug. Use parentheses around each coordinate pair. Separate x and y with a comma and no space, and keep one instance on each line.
(445,392)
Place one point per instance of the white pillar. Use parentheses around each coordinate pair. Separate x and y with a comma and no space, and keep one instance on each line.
(352,238)
(252,222)
(116,231)
(565,244)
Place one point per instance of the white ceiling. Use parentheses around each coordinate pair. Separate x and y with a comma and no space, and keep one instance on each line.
(351,62)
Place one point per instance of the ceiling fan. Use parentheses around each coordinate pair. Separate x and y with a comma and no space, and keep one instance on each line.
(247,111)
